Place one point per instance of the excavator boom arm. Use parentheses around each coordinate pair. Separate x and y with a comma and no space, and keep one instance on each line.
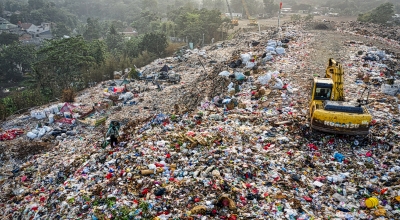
(246,9)
(335,72)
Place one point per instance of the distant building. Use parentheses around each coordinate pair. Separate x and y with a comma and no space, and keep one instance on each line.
(396,18)
(234,15)
(7,13)
(27,32)
(5,25)
(33,29)
(129,32)
(286,10)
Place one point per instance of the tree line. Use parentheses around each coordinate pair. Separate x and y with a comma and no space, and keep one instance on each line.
(92,54)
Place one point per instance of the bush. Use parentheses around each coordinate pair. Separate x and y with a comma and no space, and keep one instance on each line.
(309,17)
(295,17)
(68,95)
(173,48)
(20,102)
(144,59)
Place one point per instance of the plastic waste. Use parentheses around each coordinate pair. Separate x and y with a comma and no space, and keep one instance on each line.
(239,76)
(265,78)
(338,157)
(224,73)
(250,65)
(245,57)
(277,84)
(371,202)
(31,135)
(280,50)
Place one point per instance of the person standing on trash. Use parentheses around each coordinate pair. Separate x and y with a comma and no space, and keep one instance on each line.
(113,134)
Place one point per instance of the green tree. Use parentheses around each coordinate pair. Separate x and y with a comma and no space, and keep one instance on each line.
(16,60)
(60,30)
(146,22)
(92,30)
(8,38)
(97,49)
(215,4)
(237,6)
(15,18)
(193,23)
(15,6)
(132,47)
(253,6)
(61,63)
(1,8)
(309,17)
(149,5)
(381,15)
(295,17)
(36,4)
(169,28)
(114,41)
(154,43)
(270,7)
(397,9)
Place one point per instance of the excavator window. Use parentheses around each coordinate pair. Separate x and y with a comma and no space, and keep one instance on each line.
(322,93)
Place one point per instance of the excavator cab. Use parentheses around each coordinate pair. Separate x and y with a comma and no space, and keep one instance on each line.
(253,22)
(322,90)
(234,22)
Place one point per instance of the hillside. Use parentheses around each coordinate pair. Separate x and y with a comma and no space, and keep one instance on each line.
(230,141)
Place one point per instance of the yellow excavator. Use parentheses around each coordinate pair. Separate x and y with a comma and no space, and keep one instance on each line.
(328,110)
(253,21)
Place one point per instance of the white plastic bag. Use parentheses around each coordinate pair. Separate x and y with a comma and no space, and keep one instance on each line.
(250,65)
(390,89)
(239,76)
(42,131)
(126,96)
(265,78)
(231,85)
(51,118)
(280,50)
(268,57)
(278,84)
(245,57)
(31,135)
(269,48)
(224,73)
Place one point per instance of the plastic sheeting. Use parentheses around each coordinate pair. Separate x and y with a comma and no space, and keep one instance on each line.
(239,76)
(280,50)
(224,73)
(245,57)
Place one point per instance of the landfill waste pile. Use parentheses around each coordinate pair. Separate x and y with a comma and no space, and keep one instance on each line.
(231,140)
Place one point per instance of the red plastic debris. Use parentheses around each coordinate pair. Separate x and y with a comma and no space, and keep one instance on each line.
(109,175)
(10,134)
(308,199)
(312,147)
(145,191)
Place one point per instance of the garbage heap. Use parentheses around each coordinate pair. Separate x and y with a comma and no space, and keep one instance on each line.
(230,141)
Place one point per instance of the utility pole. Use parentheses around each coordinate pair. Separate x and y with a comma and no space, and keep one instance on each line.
(229,9)
(279,14)
(203,41)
